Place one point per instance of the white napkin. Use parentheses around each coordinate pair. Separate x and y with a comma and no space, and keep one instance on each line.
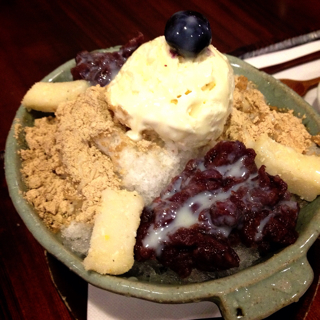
(103,305)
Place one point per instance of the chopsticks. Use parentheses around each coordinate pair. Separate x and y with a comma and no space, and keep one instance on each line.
(291,63)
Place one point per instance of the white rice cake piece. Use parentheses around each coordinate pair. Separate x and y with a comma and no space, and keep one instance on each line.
(300,172)
(114,233)
(46,96)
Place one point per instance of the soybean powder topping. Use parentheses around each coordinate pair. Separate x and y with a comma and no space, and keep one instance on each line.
(64,173)
(252,117)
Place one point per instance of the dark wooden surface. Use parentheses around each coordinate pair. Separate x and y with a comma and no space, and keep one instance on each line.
(36,36)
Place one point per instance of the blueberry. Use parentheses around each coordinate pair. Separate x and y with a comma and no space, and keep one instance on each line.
(188,33)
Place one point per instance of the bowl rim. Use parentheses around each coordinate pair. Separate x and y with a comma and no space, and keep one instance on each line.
(210,290)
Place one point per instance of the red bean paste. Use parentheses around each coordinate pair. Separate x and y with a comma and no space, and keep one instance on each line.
(102,67)
(216,203)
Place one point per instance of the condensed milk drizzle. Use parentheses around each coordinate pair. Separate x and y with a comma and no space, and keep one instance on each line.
(196,210)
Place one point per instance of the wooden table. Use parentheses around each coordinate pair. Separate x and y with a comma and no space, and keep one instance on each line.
(36,36)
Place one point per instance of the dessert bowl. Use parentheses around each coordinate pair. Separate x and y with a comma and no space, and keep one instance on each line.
(253,293)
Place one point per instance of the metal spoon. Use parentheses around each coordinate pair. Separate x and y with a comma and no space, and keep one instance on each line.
(301,86)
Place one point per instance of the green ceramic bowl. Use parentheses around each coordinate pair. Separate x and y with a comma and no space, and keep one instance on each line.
(253,293)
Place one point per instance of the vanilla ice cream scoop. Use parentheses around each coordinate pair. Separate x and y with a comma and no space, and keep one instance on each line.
(184,100)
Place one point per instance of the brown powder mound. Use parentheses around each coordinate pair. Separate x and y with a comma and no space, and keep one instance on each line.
(87,168)
(49,192)
(251,117)
(64,172)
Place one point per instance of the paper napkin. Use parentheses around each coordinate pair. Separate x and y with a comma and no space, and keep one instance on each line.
(103,305)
